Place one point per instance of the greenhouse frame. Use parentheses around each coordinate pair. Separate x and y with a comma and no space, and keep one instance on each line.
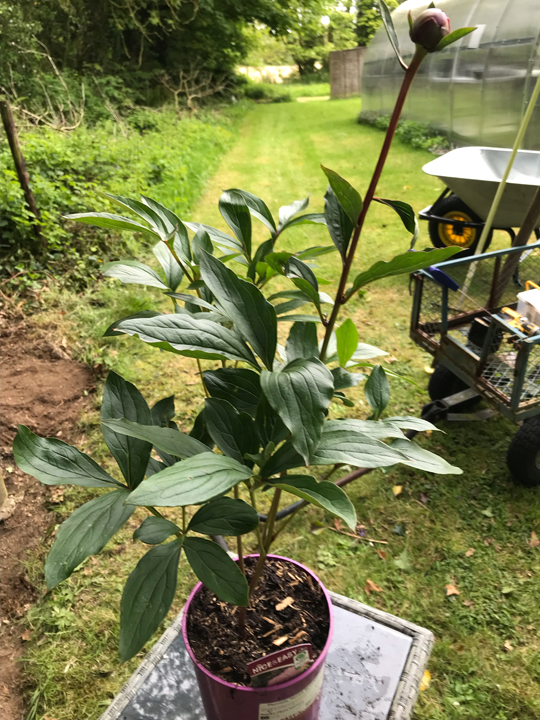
(475,91)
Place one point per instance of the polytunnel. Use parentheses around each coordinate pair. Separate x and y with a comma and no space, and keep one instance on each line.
(476,90)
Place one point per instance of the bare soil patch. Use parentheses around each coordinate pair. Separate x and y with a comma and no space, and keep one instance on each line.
(43,388)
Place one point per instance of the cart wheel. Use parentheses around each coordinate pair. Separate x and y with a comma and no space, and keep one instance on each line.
(443,235)
(523,458)
(443,383)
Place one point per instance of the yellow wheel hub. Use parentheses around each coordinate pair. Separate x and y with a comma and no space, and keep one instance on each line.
(449,234)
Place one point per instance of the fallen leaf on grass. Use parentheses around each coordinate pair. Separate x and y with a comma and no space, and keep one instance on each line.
(488,512)
(507,590)
(338,524)
(26,636)
(429,370)
(468,603)
(284,604)
(372,587)
(426,681)
(423,498)
(451,590)
(470,552)
(382,554)
(508,647)
(399,529)
(397,490)
(534,541)
(402,561)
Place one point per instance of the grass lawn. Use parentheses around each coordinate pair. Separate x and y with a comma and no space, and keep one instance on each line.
(486,661)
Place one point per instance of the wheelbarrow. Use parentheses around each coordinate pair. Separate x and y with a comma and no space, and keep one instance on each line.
(482,347)
(471,176)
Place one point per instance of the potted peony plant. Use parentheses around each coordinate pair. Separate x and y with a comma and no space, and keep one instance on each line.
(257,628)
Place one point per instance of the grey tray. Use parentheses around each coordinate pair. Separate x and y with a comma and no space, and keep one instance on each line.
(373,671)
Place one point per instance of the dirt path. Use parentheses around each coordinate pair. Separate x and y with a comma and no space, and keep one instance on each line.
(46,390)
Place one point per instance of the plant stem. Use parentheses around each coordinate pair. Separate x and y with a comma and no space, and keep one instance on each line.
(239,548)
(184,524)
(340,295)
(202,378)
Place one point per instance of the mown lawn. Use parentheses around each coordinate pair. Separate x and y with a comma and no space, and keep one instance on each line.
(486,661)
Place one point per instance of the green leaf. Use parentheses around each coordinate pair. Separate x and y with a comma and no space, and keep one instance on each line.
(121,399)
(417,457)
(364,351)
(199,431)
(53,462)
(173,271)
(378,429)
(85,533)
(218,237)
(340,225)
(191,482)
(299,318)
(302,342)
(391,31)
(286,307)
(112,222)
(405,212)
(155,530)
(300,393)
(285,458)
(192,300)
(406,263)
(245,305)
(454,36)
(377,390)
(307,219)
(192,337)
(201,241)
(239,386)
(217,571)
(316,251)
(235,212)
(347,341)
(163,411)
(296,269)
(131,271)
(234,433)
(344,379)
(110,331)
(342,442)
(224,516)
(147,597)
(287,212)
(324,494)
(167,439)
(269,425)
(140,209)
(411,423)
(172,223)
(257,208)
(348,197)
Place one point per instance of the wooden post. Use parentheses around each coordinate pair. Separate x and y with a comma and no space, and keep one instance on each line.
(20,166)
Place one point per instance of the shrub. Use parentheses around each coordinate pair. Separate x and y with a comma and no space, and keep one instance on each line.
(66,169)
(416,134)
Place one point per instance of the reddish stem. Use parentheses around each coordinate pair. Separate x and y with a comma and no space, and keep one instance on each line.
(340,295)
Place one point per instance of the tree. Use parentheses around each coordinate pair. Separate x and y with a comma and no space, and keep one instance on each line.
(368,18)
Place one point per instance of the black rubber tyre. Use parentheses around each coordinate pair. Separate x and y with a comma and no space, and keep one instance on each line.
(443,383)
(442,235)
(523,458)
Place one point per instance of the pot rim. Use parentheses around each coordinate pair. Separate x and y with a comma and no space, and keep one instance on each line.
(281,686)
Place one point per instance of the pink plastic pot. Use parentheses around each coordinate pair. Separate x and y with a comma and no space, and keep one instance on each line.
(296,699)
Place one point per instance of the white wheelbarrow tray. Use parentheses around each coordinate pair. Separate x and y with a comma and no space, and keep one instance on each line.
(474,173)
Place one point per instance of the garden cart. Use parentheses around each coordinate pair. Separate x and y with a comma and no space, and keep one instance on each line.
(471,176)
(482,345)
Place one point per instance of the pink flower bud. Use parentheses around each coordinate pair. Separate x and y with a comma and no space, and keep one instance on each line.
(429,28)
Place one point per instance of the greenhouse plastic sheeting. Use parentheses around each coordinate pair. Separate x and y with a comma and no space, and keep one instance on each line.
(477,89)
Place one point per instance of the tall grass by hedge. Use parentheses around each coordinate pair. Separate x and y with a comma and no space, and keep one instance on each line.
(153,152)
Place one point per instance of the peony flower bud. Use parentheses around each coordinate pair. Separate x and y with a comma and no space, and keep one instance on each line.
(429,28)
